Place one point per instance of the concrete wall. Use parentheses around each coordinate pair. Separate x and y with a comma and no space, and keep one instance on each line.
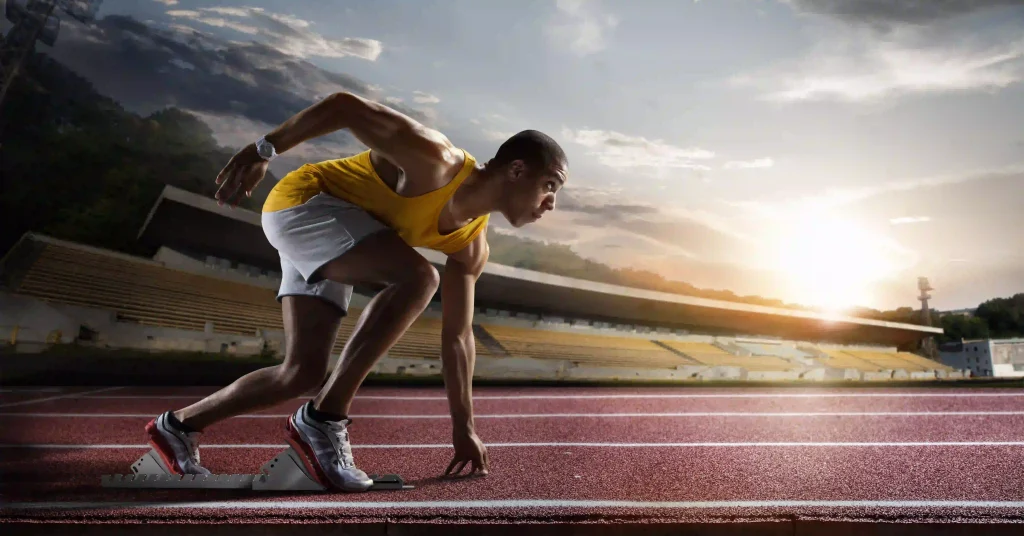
(31,324)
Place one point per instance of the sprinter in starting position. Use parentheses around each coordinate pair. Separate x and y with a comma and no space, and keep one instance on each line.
(356,220)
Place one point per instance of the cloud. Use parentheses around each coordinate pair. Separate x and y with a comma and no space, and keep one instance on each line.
(876,50)
(167,2)
(425,98)
(496,135)
(621,151)
(787,205)
(581,25)
(887,69)
(909,219)
(751,164)
(888,12)
(609,214)
(288,34)
(148,67)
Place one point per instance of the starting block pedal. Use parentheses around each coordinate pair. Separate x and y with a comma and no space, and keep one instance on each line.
(285,472)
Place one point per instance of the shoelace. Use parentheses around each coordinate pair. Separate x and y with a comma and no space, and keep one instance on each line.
(341,443)
(193,447)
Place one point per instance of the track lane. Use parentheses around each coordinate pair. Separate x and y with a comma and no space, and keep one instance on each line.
(727,402)
(365,431)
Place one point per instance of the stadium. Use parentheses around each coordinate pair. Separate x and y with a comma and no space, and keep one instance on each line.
(211,286)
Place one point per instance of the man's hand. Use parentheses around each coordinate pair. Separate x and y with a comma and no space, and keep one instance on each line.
(241,175)
(468,450)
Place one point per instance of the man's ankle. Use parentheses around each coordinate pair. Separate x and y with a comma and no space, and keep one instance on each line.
(180,425)
(322,416)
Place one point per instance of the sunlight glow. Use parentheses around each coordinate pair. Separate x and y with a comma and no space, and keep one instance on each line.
(831,264)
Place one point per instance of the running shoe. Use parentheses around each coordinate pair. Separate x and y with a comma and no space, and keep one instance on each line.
(178,450)
(326,451)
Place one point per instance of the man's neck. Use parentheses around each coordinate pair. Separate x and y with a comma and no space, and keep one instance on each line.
(478,195)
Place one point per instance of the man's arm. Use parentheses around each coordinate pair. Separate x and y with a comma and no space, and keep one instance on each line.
(458,349)
(423,153)
(394,135)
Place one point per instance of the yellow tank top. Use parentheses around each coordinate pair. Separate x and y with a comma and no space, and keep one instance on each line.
(355,180)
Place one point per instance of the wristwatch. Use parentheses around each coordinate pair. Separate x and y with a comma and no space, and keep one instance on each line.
(265,149)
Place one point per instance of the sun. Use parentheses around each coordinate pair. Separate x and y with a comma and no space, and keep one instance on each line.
(831,264)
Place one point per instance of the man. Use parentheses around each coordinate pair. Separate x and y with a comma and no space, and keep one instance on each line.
(354,221)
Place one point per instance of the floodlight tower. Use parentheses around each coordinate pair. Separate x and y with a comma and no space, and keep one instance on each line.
(928,345)
(925,287)
(35,20)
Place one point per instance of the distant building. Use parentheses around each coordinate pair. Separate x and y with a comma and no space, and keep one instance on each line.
(1003,358)
(961,312)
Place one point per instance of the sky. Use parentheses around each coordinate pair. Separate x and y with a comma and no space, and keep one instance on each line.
(824,152)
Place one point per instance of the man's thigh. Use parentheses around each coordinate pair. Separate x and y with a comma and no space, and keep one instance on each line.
(379,259)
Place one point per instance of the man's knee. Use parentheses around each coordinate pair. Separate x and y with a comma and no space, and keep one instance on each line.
(424,277)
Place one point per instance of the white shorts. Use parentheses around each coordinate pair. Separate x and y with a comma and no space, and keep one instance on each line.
(312,234)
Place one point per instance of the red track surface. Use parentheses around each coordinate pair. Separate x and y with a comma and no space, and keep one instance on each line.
(583,454)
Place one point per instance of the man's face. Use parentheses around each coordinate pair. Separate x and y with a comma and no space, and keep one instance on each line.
(533,192)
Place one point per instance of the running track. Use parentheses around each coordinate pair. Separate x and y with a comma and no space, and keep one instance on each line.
(703,456)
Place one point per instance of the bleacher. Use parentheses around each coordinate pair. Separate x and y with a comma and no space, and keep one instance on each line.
(584,348)
(149,293)
(929,364)
(897,360)
(840,359)
(776,350)
(713,356)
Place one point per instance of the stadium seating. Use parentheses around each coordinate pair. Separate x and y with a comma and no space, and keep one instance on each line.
(892,360)
(713,356)
(776,350)
(584,348)
(929,364)
(840,359)
(150,294)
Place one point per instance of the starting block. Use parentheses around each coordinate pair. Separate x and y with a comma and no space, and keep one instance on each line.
(285,472)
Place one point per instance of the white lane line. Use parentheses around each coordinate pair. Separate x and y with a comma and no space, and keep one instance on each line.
(594,445)
(629,396)
(515,503)
(58,397)
(566,415)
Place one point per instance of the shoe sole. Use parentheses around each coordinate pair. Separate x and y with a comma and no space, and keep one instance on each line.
(162,447)
(309,460)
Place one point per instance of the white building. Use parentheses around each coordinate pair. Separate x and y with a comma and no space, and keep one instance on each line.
(1003,358)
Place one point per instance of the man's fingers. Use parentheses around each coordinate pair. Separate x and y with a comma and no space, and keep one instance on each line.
(450,467)
(230,186)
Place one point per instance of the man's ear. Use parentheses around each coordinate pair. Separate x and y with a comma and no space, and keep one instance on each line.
(516,169)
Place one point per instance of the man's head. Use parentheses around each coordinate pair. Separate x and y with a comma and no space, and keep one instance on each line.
(535,169)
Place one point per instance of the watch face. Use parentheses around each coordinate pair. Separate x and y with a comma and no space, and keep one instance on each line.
(264,149)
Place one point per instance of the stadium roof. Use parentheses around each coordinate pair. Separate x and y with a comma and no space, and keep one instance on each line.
(193,223)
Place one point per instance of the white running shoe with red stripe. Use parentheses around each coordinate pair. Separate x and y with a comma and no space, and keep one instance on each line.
(326,451)
(178,450)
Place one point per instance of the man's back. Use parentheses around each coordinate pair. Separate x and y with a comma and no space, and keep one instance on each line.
(356,179)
